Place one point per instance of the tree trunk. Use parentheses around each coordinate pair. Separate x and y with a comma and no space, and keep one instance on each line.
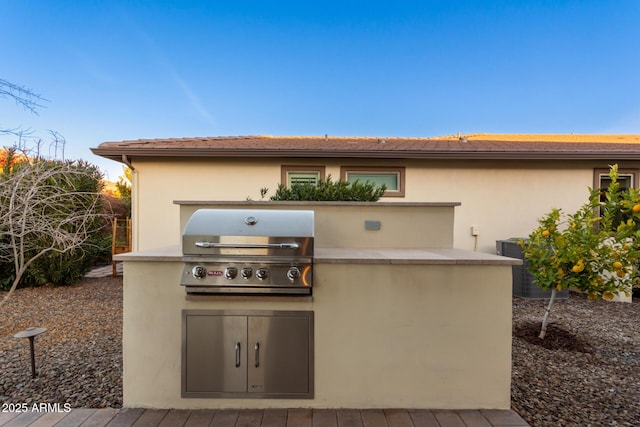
(545,319)
(14,285)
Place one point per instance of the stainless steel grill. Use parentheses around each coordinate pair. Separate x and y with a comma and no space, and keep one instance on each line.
(242,251)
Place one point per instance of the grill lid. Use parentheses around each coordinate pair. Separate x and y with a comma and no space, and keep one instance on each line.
(249,232)
(245,222)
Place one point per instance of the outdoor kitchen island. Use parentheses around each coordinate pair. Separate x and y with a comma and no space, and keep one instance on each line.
(399,317)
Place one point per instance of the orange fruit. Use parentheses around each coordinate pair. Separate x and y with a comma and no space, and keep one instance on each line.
(545,233)
(636,208)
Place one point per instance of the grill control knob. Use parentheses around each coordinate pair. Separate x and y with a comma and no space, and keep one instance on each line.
(246,272)
(293,274)
(199,272)
(230,273)
(262,273)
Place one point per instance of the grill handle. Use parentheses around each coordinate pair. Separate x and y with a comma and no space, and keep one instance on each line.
(248,245)
(237,355)
(257,357)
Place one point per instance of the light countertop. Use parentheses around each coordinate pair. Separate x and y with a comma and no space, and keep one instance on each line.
(434,256)
(427,256)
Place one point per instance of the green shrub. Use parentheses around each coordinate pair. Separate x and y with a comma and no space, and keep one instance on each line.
(7,274)
(328,190)
(69,267)
(79,188)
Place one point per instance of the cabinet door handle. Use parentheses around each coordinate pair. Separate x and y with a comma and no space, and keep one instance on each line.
(257,349)
(237,355)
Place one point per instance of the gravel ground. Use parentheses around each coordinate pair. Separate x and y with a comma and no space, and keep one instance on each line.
(586,372)
(78,359)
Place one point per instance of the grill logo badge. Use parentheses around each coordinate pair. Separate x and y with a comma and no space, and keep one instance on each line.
(216,273)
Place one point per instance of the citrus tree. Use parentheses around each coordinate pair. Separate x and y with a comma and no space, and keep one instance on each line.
(594,250)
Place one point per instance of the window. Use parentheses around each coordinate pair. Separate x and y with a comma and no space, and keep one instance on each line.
(301,175)
(627,178)
(393,178)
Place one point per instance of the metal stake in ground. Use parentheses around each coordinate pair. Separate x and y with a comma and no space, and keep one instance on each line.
(31,333)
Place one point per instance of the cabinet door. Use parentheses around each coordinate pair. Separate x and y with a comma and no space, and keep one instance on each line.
(215,358)
(279,350)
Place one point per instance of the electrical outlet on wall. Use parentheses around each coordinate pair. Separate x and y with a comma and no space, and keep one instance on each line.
(475,230)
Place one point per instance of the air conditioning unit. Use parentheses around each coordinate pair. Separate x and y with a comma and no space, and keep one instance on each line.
(524,285)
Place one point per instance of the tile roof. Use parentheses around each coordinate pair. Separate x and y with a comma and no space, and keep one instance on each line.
(547,137)
(472,146)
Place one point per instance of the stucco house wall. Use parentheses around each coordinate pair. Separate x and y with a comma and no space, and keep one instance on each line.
(503,198)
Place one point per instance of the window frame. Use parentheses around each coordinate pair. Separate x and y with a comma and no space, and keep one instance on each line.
(382,170)
(604,172)
(286,170)
(599,173)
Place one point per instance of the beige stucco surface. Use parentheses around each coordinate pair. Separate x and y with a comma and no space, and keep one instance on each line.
(503,199)
(402,319)
(417,335)
(343,224)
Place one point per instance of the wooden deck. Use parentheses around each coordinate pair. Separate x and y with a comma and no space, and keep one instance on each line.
(264,418)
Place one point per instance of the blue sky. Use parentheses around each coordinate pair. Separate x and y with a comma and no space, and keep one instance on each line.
(115,70)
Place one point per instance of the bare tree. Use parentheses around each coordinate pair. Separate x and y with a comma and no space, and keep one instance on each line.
(22,95)
(43,211)
(25,97)
(57,145)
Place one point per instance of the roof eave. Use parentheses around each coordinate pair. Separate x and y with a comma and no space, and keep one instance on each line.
(117,154)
